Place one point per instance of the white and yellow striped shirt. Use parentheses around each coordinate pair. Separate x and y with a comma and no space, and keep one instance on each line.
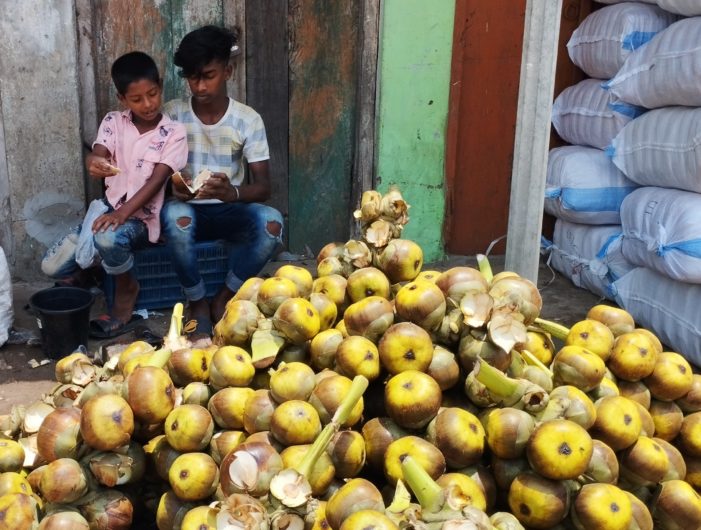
(221,147)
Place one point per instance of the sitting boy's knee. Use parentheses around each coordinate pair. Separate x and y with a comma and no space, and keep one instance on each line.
(183,222)
(274,228)
(105,240)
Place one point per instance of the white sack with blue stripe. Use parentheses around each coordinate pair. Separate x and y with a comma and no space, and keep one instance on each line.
(661,148)
(662,231)
(583,186)
(589,255)
(588,114)
(605,39)
(689,8)
(666,71)
(667,307)
(653,2)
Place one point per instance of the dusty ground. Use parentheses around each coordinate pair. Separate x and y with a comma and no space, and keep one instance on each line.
(20,383)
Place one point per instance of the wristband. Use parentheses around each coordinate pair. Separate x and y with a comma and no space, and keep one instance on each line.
(237,193)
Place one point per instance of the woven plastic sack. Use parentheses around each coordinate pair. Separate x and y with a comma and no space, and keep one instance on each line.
(605,39)
(583,186)
(6,313)
(667,307)
(666,71)
(622,1)
(661,148)
(587,114)
(590,256)
(662,231)
(688,8)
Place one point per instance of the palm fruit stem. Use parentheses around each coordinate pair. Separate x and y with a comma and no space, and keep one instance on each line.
(510,392)
(485,267)
(305,466)
(534,361)
(556,330)
(429,494)
(496,381)
(160,358)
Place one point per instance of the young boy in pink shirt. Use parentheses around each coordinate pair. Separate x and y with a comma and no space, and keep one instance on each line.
(135,152)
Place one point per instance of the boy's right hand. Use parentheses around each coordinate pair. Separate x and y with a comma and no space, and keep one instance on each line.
(100,167)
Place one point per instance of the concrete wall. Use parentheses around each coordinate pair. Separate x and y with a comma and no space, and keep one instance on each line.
(41,168)
(412,114)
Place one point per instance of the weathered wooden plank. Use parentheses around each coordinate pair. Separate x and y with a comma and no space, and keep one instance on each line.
(235,16)
(86,80)
(185,16)
(323,82)
(364,160)
(540,41)
(267,85)
(125,26)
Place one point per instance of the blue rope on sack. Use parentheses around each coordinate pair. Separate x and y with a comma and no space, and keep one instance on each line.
(605,248)
(636,39)
(606,199)
(545,244)
(629,111)
(690,248)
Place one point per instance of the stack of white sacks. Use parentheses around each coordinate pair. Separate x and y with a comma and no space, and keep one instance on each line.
(627,192)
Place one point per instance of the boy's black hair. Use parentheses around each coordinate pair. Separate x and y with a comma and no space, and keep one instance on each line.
(204,45)
(133,66)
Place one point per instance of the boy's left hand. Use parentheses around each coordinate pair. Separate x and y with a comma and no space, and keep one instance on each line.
(217,186)
(108,221)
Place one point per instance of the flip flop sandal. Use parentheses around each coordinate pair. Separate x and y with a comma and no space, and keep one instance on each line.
(143,332)
(203,328)
(107,327)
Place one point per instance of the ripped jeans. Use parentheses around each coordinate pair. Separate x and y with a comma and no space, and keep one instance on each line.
(116,248)
(253,230)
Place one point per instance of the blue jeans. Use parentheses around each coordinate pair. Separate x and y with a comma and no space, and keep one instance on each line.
(116,249)
(253,231)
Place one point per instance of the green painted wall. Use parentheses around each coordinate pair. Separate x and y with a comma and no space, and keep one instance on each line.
(413,87)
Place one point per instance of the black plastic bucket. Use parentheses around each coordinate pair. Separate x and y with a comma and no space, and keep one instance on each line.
(63,316)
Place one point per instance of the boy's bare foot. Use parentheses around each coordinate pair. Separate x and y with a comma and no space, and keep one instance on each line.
(219,303)
(126,290)
(198,309)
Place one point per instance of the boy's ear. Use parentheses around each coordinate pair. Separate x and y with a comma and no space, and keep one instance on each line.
(121,99)
(229,69)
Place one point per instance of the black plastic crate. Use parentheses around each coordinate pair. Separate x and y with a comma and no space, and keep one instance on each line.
(159,287)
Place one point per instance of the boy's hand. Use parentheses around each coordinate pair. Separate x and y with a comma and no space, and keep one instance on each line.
(217,186)
(180,193)
(108,221)
(100,167)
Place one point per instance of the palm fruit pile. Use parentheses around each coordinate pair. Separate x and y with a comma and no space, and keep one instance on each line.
(372,395)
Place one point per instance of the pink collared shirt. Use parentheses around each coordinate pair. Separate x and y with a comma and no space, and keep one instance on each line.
(136,155)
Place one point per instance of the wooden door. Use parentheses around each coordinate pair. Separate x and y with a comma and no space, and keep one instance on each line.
(486,69)
(324,44)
